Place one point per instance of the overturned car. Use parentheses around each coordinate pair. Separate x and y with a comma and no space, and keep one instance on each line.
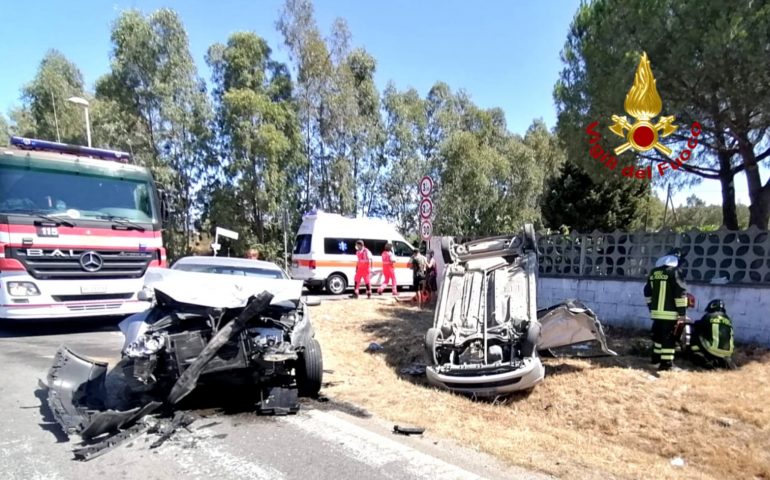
(487,331)
(201,328)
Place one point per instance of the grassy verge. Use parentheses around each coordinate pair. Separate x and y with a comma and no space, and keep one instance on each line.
(590,418)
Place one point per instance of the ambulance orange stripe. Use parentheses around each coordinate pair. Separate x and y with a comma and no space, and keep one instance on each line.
(343,264)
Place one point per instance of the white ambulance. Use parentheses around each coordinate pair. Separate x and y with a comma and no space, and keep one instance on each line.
(324,253)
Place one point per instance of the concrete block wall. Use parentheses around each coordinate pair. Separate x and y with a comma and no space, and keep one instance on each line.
(621,303)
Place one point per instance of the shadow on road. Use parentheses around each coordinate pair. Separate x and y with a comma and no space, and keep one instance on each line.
(15,329)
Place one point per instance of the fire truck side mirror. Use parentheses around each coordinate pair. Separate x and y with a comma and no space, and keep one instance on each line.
(165,208)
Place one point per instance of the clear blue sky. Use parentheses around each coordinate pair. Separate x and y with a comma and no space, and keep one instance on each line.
(504,53)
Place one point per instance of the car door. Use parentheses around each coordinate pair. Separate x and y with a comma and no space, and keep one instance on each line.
(570,323)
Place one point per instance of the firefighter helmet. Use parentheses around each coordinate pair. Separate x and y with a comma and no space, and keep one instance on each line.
(716,305)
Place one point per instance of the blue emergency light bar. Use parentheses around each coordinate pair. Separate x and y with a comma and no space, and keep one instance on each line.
(43,145)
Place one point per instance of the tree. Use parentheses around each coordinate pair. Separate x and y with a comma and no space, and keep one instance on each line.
(711,68)
(158,110)
(5,131)
(45,112)
(574,199)
(259,144)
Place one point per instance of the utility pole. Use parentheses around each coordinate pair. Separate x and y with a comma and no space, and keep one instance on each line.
(55,118)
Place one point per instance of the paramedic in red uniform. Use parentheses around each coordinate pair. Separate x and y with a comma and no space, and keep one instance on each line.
(363,269)
(388,269)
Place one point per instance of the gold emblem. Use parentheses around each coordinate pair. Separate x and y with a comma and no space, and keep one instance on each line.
(643,103)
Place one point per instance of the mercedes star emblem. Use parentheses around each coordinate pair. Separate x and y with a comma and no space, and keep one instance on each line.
(91,262)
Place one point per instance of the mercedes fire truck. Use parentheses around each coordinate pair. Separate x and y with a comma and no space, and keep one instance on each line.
(79,227)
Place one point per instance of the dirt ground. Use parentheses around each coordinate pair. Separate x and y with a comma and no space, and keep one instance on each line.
(607,417)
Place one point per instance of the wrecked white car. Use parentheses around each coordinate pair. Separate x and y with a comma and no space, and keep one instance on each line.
(253,331)
(487,330)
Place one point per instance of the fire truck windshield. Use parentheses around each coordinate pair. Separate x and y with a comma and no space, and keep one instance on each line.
(96,196)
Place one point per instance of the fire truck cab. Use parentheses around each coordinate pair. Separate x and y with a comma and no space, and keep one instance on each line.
(79,227)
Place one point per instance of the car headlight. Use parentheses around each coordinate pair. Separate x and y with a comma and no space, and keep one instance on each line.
(23,289)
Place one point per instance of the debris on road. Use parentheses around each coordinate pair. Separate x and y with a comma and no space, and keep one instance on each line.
(415,370)
(408,430)
(374,347)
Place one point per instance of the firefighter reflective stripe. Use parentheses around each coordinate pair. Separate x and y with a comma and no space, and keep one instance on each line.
(662,315)
(695,348)
(667,353)
(718,342)
(656,347)
(661,298)
(681,302)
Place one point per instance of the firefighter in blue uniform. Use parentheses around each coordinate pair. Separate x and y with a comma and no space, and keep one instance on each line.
(666,295)
(713,342)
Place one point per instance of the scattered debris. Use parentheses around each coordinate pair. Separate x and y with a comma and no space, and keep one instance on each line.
(408,430)
(725,422)
(374,347)
(166,428)
(678,462)
(415,370)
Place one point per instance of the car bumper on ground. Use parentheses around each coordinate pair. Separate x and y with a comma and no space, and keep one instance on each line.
(464,381)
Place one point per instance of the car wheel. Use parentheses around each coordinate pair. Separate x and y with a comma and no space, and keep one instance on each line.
(446,249)
(336,284)
(310,369)
(530,242)
(431,336)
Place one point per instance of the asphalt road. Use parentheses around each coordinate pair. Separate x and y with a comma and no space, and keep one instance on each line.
(326,440)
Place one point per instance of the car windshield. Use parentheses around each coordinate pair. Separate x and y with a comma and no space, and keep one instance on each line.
(74,194)
(230,270)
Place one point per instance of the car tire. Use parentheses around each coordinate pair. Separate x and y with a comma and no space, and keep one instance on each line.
(430,344)
(530,241)
(446,249)
(529,344)
(336,284)
(310,369)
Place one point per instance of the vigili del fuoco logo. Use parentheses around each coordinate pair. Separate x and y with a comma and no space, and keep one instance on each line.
(643,104)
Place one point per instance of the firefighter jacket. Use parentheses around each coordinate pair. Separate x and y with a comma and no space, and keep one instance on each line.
(666,293)
(715,335)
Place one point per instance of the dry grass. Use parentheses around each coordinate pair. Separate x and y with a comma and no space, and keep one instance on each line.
(605,417)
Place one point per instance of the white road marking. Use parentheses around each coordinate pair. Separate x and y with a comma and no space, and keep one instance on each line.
(375,450)
(208,459)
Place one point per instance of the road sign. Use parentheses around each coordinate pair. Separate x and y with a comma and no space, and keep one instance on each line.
(227,233)
(426,208)
(426,229)
(426,186)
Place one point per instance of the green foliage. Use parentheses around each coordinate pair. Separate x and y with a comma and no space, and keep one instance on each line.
(45,113)
(155,106)
(258,145)
(5,131)
(576,200)
(710,67)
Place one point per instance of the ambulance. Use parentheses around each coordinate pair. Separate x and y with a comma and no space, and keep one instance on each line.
(324,255)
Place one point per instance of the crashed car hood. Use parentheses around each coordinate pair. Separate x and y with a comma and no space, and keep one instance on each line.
(217,290)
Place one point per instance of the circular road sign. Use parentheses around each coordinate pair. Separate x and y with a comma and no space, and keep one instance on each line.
(426,208)
(426,186)
(426,229)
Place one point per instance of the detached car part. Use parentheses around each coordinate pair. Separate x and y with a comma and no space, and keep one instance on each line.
(487,330)
(202,327)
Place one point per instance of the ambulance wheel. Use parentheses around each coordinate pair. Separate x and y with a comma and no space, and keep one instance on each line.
(336,284)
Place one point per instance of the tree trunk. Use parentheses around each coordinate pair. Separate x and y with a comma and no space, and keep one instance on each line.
(727,179)
(759,195)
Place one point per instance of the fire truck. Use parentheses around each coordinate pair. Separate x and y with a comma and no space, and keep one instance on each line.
(79,227)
